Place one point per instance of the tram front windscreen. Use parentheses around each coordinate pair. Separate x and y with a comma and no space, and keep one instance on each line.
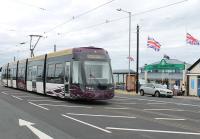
(98,72)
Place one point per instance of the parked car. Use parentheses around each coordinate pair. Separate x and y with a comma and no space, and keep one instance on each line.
(155,90)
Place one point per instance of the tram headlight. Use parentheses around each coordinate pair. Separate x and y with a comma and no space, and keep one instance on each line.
(89,88)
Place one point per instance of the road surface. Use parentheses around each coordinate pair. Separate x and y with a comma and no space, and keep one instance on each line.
(25,115)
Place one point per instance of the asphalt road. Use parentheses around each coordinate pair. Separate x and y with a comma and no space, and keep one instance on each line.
(25,115)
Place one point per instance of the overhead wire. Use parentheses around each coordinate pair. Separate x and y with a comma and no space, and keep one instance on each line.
(108,21)
(30,5)
(121,18)
(79,15)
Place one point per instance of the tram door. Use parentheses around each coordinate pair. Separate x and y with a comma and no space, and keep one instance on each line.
(34,74)
(11,77)
(67,78)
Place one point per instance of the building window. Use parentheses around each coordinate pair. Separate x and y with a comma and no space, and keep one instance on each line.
(192,84)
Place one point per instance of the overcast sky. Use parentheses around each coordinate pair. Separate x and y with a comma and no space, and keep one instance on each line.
(20,18)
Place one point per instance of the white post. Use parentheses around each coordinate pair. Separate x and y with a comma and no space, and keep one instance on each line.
(145,76)
(184,74)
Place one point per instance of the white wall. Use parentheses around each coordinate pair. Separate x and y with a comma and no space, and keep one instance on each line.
(196,69)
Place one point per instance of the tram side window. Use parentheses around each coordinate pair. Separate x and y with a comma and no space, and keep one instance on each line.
(55,73)
(21,73)
(59,74)
(9,72)
(39,73)
(50,73)
(3,74)
(14,74)
(29,77)
(76,78)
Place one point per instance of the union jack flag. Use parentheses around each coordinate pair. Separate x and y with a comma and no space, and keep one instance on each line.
(151,43)
(191,40)
(131,58)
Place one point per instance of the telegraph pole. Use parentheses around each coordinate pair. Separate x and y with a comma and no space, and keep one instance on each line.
(54,48)
(32,46)
(137,62)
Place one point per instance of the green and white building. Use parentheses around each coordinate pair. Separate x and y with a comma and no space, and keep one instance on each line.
(166,71)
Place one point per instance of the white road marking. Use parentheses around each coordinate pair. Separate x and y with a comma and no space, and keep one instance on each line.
(163,110)
(16,93)
(65,106)
(38,106)
(126,103)
(17,97)
(120,97)
(154,131)
(30,97)
(37,132)
(111,116)
(167,102)
(113,108)
(131,99)
(88,124)
(171,119)
(44,100)
(156,103)
(4,93)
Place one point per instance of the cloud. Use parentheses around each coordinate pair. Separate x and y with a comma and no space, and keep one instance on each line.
(168,26)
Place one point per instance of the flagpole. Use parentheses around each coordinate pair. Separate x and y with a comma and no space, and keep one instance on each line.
(185,33)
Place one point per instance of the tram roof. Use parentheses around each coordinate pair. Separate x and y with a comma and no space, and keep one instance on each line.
(60,53)
(57,53)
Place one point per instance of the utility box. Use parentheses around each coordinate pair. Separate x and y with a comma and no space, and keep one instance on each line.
(130,82)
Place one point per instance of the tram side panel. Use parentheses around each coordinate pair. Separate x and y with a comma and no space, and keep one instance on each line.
(14,76)
(55,75)
(4,75)
(12,67)
(9,75)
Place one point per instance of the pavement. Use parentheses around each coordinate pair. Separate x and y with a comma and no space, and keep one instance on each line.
(188,97)
(133,93)
(25,115)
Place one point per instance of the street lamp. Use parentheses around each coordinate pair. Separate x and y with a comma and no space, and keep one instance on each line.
(129,37)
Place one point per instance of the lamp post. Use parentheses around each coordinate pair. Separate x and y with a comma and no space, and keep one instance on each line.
(129,37)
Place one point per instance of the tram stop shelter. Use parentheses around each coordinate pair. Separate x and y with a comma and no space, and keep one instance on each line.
(123,81)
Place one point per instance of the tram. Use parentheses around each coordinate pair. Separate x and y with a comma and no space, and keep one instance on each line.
(77,73)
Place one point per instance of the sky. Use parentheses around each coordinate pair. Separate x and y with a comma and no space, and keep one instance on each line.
(78,23)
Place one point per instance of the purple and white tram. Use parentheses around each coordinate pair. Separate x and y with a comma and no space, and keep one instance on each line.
(78,73)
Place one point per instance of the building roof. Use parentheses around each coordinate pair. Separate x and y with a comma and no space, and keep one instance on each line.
(167,64)
(170,61)
(193,65)
(123,71)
